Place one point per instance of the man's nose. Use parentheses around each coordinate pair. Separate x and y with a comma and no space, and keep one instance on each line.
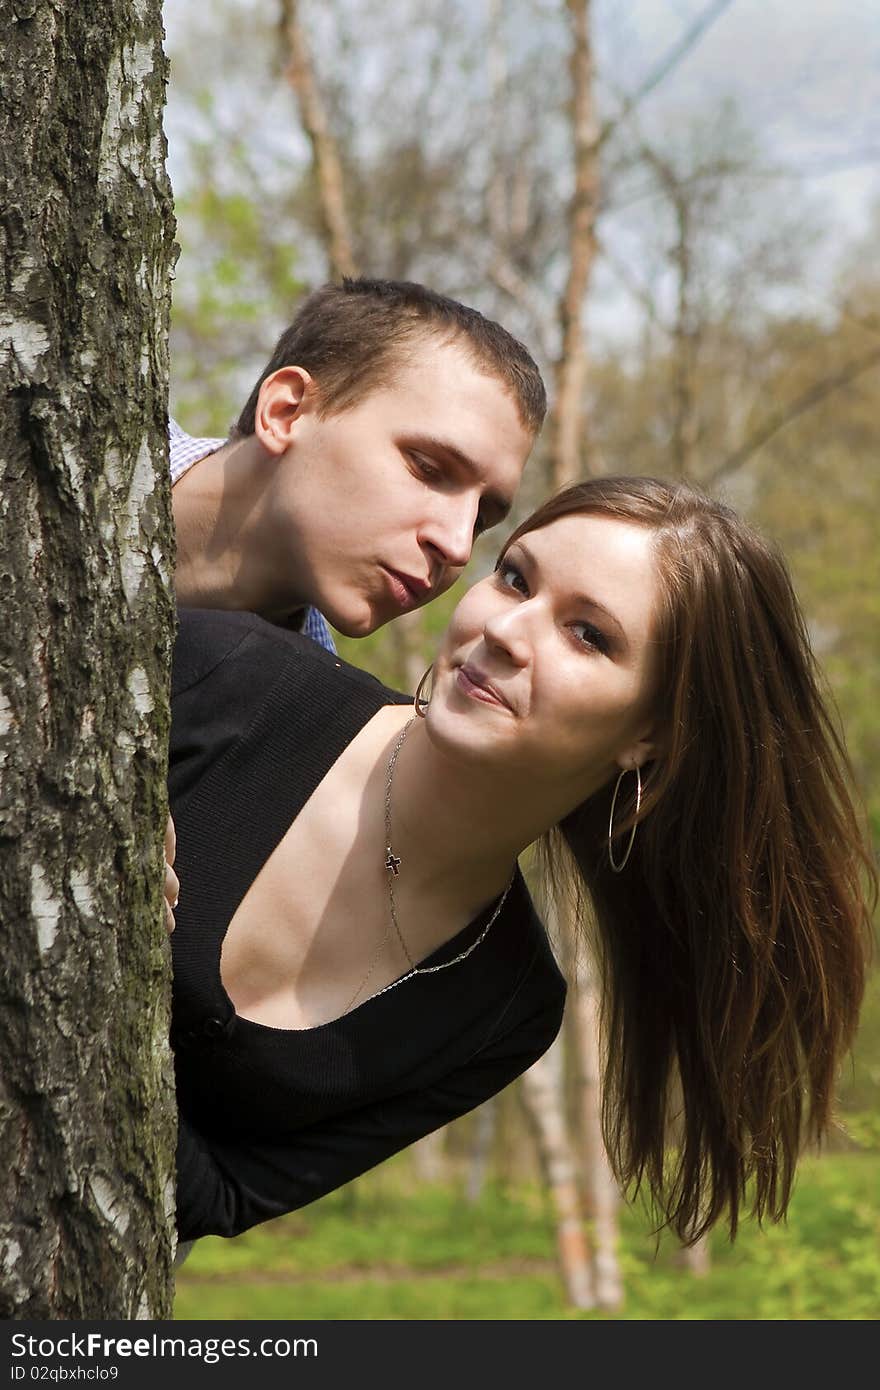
(450,533)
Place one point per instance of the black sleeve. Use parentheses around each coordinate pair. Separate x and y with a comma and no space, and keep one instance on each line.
(222,1189)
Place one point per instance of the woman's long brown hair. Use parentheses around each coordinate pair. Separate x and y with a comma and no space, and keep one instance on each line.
(733,947)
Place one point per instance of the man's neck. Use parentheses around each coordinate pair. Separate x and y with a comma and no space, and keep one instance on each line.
(221,557)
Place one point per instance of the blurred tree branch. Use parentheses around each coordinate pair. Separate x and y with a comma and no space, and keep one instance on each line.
(819,391)
(300,73)
(668,63)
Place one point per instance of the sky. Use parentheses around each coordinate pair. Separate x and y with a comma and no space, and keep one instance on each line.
(804,73)
(807,73)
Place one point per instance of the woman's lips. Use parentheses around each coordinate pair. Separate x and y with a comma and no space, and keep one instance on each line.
(472,682)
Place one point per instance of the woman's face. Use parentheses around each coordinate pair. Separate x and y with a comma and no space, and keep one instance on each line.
(547,666)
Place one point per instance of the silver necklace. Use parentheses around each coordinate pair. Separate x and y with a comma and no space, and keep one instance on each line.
(392,864)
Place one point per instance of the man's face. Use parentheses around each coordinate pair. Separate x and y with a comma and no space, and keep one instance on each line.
(375,509)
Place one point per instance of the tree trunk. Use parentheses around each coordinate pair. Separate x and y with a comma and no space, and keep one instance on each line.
(429,1156)
(571,451)
(602,1197)
(485,1122)
(696,1258)
(541,1094)
(87,1116)
(326,158)
(685,428)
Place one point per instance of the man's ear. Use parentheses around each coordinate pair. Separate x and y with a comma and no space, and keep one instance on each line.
(284,397)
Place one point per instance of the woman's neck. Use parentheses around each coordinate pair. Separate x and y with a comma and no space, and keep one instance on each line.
(457,826)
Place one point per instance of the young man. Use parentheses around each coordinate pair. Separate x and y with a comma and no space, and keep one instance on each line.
(388,430)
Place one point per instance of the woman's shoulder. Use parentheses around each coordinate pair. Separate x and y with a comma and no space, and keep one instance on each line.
(529,990)
(544,977)
(524,956)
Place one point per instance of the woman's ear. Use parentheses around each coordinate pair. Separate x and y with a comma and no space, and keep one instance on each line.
(642,750)
(284,397)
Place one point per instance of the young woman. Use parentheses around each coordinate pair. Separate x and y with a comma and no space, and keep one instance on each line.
(357,960)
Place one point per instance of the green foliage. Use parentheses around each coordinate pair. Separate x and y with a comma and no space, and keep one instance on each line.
(859,1086)
(237,287)
(381,1249)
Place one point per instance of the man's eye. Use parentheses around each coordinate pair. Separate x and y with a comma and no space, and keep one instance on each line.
(426,467)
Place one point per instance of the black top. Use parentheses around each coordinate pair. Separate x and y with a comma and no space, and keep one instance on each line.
(272,1118)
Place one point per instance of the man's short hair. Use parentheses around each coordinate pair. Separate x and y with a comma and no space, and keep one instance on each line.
(352,337)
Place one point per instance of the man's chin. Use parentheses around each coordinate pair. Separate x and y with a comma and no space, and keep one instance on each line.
(359,624)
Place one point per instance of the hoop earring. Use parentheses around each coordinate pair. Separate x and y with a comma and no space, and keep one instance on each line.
(420,704)
(618,868)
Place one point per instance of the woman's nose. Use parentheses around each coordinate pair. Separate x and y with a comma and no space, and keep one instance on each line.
(508,633)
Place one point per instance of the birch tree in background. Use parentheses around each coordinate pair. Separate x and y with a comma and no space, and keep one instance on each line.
(407,633)
(572,452)
(300,73)
(542,1092)
(87,1114)
(542,1086)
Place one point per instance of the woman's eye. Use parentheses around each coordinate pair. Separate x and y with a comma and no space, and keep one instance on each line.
(589,636)
(510,577)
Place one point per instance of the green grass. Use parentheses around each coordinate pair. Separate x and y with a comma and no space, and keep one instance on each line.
(382,1249)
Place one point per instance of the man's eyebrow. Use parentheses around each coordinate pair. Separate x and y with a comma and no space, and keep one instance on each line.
(582,600)
(496,505)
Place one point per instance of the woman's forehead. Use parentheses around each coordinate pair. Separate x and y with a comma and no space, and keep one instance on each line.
(594,546)
(602,560)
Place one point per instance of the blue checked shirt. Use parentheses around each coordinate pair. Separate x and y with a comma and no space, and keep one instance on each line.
(184,451)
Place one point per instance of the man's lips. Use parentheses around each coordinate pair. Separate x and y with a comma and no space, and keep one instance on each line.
(471,681)
(407,589)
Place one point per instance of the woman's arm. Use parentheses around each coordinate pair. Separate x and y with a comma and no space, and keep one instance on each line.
(224,1189)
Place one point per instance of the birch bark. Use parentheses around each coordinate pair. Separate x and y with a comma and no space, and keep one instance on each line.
(86,1098)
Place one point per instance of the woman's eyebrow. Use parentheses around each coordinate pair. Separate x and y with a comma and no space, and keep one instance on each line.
(582,600)
(496,505)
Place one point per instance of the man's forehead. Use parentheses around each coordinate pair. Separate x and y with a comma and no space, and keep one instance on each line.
(451,407)
(427,363)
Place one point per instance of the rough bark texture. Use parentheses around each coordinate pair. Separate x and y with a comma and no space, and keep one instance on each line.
(86,1101)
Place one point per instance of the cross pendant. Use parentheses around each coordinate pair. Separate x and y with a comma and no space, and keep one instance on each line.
(392,862)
